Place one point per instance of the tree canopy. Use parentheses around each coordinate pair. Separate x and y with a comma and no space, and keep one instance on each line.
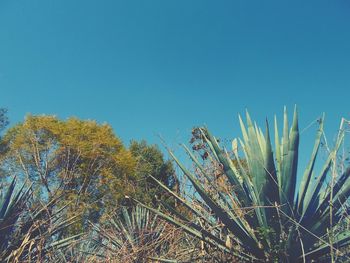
(84,162)
(150,161)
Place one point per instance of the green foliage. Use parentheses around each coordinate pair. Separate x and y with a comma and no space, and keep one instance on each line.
(3,124)
(263,219)
(4,121)
(150,161)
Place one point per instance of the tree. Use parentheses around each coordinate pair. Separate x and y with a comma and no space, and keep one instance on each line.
(28,229)
(3,119)
(150,161)
(3,123)
(85,163)
(81,160)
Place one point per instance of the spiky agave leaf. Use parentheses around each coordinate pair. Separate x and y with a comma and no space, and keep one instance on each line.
(282,227)
(28,232)
(12,206)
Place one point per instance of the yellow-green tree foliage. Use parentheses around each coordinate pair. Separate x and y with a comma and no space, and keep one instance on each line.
(82,161)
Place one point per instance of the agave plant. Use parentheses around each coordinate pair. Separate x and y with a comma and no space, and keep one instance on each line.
(28,232)
(289,220)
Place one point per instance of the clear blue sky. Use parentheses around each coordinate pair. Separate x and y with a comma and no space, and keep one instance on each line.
(162,66)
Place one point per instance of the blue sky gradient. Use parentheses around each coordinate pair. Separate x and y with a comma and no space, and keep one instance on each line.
(161,67)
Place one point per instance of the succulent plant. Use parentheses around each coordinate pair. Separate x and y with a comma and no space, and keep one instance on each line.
(132,235)
(267,214)
(29,232)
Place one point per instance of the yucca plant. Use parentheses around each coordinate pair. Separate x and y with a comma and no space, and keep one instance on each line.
(267,214)
(28,232)
(84,250)
(136,235)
